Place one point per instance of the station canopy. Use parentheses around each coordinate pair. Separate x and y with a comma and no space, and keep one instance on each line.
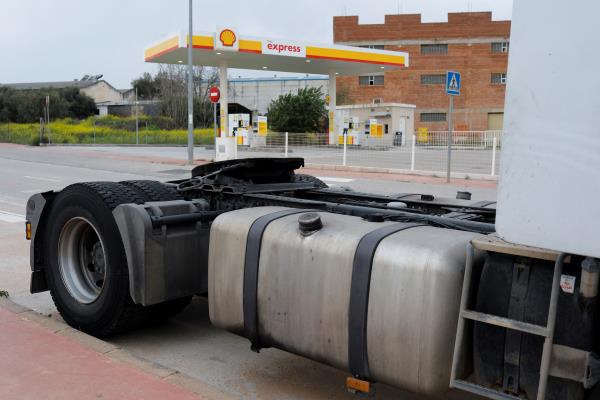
(227,48)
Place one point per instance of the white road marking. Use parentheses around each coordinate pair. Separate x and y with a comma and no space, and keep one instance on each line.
(331,179)
(11,217)
(39,178)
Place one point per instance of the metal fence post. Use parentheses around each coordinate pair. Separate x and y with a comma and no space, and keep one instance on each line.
(286,145)
(94,127)
(412,152)
(494,144)
(345,142)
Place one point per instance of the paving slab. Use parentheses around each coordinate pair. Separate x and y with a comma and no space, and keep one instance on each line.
(39,364)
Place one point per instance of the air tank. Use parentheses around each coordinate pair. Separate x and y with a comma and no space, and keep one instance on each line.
(313,294)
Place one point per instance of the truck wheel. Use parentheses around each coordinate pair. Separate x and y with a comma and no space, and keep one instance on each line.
(154,191)
(319,184)
(86,267)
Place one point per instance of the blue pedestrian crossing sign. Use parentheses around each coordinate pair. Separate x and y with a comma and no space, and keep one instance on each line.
(453,83)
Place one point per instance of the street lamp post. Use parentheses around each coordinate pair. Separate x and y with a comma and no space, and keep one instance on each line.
(190,100)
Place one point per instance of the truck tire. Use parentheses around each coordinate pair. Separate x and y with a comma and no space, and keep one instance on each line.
(86,267)
(153,190)
(319,184)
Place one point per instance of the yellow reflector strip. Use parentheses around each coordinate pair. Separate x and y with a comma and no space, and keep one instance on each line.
(358,385)
(28,230)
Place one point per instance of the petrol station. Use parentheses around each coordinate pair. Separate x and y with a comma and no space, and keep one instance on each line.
(226,48)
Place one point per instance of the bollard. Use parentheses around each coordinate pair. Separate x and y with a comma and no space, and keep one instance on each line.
(412,152)
(286,145)
(494,143)
(345,142)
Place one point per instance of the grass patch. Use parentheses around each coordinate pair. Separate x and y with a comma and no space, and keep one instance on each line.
(102,130)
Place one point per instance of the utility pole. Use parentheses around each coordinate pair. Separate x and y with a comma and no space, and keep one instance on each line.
(190,92)
(48,117)
(137,125)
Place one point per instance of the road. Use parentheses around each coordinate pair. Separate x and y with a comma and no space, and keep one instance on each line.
(464,160)
(219,360)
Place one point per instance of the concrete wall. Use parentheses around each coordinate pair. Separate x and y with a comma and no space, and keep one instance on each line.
(469,37)
(102,92)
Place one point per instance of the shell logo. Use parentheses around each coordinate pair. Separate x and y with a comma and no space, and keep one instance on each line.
(227,37)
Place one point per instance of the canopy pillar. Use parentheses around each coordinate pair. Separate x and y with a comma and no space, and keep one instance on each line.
(226,146)
(223,102)
(332,95)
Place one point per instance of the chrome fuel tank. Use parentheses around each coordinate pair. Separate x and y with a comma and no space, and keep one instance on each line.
(309,282)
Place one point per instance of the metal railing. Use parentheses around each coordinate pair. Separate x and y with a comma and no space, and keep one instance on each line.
(473,152)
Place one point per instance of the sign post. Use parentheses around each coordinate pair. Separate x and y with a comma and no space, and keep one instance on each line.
(452,89)
(214,95)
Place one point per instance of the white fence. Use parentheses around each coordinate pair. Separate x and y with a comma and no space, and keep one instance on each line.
(473,152)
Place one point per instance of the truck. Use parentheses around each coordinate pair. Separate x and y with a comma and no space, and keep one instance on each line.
(419,292)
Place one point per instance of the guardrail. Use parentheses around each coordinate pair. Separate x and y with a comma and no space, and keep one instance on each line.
(473,152)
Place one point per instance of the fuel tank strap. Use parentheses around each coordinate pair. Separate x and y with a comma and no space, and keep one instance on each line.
(359,297)
(251,263)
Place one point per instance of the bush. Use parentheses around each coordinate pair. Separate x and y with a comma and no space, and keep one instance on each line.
(301,112)
(28,105)
(104,130)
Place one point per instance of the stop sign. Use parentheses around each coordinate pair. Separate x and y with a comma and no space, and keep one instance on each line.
(214,94)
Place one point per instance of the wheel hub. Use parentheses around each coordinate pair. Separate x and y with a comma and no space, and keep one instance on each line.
(82,260)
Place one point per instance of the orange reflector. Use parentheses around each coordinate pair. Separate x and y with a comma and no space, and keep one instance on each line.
(358,385)
(28,230)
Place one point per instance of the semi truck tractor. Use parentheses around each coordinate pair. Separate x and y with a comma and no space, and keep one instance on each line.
(415,291)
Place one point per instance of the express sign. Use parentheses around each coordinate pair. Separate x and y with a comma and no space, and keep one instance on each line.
(278,48)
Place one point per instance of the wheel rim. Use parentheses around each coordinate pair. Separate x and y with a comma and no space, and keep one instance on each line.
(82,260)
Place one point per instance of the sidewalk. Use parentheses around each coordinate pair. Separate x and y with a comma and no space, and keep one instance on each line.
(41,358)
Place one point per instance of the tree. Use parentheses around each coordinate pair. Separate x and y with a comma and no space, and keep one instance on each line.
(146,85)
(80,105)
(28,105)
(171,86)
(301,112)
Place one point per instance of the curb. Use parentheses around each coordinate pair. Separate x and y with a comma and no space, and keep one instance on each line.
(434,174)
(118,354)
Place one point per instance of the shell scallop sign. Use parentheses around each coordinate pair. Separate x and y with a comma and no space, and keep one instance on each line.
(227,39)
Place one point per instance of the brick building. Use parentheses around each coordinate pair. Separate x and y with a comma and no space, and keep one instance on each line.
(469,42)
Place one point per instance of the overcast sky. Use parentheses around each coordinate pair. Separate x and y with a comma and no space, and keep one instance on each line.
(52,40)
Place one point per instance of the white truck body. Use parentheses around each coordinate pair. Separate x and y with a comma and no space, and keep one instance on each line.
(550,172)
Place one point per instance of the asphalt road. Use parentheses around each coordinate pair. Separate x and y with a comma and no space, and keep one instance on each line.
(188,343)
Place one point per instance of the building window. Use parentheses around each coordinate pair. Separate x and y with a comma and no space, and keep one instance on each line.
(371,80)
(434,49)
(387,129)
(499,78)
(373,46)
(433,117)
(434,79)
(377,100)
(500,47)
